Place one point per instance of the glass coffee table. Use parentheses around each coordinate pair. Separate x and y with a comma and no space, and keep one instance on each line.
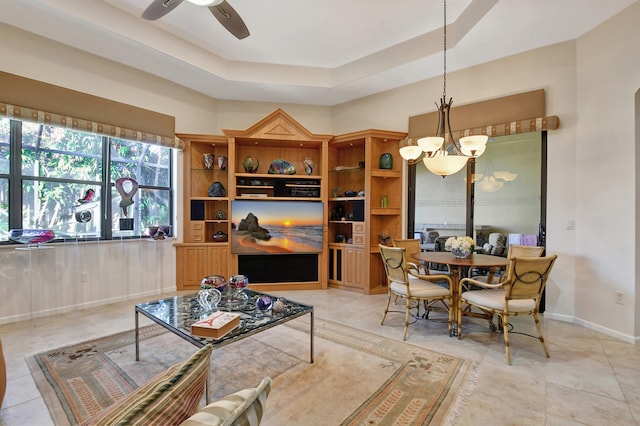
(177,313)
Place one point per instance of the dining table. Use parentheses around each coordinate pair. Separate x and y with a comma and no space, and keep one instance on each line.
(456,267)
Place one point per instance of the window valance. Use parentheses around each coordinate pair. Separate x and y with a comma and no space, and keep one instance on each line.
(50,118)
(35,101)
(511,115)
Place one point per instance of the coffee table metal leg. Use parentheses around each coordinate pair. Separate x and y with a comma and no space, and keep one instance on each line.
(207,383)
(137,340)
(311,334)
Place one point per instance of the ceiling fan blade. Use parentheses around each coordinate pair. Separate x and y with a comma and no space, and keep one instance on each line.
(159,8)
(230,19)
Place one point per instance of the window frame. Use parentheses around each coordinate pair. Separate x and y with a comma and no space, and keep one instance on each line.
(16,181)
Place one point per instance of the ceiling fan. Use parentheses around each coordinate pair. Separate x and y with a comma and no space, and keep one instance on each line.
(222,10)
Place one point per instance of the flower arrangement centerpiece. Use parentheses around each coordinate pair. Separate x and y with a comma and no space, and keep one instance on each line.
(460,246)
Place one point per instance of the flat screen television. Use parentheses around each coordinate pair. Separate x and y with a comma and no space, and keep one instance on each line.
(276,226)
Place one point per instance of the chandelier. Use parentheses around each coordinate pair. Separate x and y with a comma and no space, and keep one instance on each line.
(441,154)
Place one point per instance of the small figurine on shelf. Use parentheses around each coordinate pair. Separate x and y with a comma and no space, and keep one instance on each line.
(308,166)
(222,162)
(208,160)
(386,161)
(385,238)
(251,164)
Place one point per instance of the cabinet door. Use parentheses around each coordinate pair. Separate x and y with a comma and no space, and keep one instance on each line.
(192,266)
(354,266)
(218,261)
(197,262)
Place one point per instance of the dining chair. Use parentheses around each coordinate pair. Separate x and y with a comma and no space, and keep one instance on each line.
(414,287)
(413,246)
(519,294)
(515,250)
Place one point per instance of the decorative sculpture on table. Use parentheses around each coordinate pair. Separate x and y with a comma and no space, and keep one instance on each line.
(127,188)
(210,292)
(82,210)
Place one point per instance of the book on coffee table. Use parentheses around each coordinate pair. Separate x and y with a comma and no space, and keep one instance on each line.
(216,326)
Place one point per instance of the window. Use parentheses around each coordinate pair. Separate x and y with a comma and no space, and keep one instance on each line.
(57,178)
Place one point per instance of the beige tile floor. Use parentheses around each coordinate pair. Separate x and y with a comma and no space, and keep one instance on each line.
(590,379)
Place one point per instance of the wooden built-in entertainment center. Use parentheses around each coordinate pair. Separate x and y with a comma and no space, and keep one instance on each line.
(346,178)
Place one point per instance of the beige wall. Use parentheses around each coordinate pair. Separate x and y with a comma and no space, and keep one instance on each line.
(608,78)
(590,84)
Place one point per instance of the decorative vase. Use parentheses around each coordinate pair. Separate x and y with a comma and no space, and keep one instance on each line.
(460,253)
(251,164)
(222,162)
(308,166)
(236,297)
(214,281)
(208,160)
(386,161)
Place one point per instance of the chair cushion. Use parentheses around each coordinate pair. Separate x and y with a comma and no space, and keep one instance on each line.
(245,407)
(494,299)
(169,398)
(419,288)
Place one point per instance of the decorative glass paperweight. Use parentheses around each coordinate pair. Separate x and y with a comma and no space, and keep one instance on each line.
(236,297)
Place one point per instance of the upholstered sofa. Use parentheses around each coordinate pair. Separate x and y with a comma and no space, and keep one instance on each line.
(173,398)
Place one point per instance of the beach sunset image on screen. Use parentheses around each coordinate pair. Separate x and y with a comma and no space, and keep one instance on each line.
(276,227)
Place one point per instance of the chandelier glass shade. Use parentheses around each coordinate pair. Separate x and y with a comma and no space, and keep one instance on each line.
(444,164)
(205,2)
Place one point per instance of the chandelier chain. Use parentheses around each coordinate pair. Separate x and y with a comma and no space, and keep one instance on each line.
(444,87)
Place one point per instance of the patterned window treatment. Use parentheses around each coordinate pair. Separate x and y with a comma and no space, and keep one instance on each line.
(50,118)
(551,122)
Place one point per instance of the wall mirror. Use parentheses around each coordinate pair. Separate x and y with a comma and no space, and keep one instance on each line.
(507,194)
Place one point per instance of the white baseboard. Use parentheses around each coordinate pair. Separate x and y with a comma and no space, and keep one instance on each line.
(151,294)
(592,326)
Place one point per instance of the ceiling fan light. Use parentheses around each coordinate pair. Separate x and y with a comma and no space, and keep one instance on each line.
(206,2)
(443,164)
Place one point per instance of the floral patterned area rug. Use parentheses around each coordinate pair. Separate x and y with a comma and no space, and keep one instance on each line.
(358,378)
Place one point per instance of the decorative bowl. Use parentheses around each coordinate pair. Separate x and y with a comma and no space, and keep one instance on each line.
(214,281)
(220,237)
(31,236)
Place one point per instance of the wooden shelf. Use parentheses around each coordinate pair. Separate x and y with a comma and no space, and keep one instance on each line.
(349,150)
